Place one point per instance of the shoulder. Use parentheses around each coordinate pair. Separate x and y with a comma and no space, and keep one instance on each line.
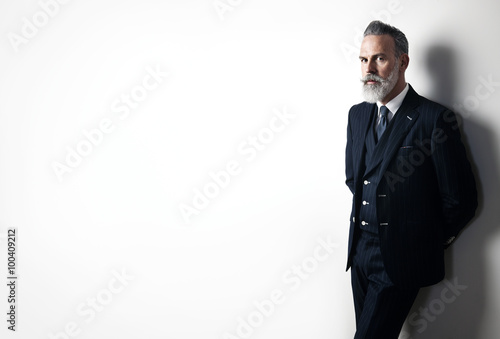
(428,109)
(362,106)
(359,115)
(360,109)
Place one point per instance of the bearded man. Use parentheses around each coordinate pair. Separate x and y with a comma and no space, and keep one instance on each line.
(412,185)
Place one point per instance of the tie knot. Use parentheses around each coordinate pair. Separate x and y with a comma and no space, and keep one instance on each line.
(384,111)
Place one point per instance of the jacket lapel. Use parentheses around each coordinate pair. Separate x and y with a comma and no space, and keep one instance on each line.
(404,119)
(360,150)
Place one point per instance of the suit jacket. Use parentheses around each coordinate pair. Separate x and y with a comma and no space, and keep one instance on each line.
(426,192)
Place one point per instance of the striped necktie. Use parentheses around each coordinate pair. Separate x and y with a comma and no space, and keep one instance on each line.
(383,121)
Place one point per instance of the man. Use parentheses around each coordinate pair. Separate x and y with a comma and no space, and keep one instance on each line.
(413,188)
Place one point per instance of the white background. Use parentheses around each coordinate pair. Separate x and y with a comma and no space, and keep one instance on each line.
(118,210)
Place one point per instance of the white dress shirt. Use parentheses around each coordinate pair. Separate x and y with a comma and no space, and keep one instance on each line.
(393,105)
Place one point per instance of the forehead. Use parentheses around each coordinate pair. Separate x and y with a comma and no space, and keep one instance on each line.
(377,44)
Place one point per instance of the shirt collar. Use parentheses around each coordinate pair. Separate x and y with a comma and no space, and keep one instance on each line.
(396,102)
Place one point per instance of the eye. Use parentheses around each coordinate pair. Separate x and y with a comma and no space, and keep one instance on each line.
(363,60)
(380,58)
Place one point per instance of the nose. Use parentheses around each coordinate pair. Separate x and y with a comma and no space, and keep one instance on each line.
(370,68)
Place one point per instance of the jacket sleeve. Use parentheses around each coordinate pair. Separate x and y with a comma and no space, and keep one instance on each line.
(456,181)
(349,170)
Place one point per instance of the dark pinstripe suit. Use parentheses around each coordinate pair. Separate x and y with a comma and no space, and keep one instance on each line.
(424,187)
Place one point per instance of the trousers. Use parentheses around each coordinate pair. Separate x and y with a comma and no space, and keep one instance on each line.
(381,307)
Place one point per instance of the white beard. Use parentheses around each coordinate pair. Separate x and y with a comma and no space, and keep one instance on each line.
(377,92)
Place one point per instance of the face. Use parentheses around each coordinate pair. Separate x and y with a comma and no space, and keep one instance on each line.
(380,69)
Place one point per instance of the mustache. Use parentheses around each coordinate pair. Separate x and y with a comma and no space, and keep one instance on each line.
(372,77)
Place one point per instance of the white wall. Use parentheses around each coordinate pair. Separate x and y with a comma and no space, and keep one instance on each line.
(278,229)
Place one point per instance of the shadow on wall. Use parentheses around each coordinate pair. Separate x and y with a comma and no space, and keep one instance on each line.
(455,307)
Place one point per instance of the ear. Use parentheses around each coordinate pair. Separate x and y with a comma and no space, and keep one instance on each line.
(404,60)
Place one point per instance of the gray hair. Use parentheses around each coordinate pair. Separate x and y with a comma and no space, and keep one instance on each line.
(380,28)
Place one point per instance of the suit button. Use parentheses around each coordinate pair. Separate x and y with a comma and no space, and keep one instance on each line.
(364,223)
(366,203)
(366,182)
